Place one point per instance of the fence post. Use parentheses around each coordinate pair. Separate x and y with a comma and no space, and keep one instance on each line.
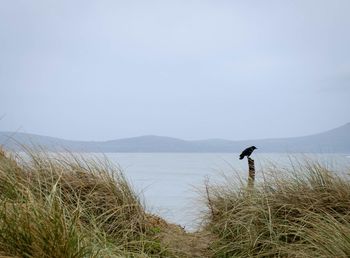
(251,176)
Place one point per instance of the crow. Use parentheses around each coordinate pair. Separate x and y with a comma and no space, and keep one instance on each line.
(247,152)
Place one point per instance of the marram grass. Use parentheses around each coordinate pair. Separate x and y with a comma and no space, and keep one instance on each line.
(59,206)
(299,212)
(70,207)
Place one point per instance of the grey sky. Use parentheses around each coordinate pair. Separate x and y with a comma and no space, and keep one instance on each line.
(98,70)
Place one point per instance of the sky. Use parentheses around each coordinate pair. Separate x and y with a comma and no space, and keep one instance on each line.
(191,69)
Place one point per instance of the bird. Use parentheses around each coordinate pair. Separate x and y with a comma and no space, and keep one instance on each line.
(247,152)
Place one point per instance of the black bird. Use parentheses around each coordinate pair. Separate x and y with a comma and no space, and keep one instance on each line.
(247,152)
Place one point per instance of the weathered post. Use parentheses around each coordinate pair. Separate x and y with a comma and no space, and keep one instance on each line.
(251,175)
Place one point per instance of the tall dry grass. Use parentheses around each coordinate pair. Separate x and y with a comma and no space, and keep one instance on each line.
(59,206)
(303,211)
(71,207)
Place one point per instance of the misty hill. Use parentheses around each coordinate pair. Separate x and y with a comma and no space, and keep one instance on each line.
(336,140)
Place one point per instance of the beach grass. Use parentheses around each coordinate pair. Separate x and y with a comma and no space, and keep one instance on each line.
(54,205)
(65,206)
(299,211)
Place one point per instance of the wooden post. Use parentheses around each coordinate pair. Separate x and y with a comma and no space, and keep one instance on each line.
(251,176)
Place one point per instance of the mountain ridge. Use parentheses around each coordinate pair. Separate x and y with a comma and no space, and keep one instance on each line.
(334,140)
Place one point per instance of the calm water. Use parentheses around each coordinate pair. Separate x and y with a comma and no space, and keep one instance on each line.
(168,181)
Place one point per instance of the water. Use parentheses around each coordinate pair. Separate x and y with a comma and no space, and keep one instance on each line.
(169,182)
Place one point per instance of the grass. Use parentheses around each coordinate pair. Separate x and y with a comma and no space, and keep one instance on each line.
(303,211)
(70,207)
(59,206)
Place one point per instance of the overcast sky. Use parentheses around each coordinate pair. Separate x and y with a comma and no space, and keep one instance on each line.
(107,69)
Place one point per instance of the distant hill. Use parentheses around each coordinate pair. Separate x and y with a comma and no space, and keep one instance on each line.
(333,141)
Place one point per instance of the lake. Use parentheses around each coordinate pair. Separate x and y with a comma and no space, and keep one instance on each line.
(168,182)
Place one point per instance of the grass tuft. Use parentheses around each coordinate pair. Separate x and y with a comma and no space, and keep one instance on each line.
(63,206)
(299,212)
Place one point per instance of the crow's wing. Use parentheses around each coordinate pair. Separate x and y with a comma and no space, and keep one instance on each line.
(245,152)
